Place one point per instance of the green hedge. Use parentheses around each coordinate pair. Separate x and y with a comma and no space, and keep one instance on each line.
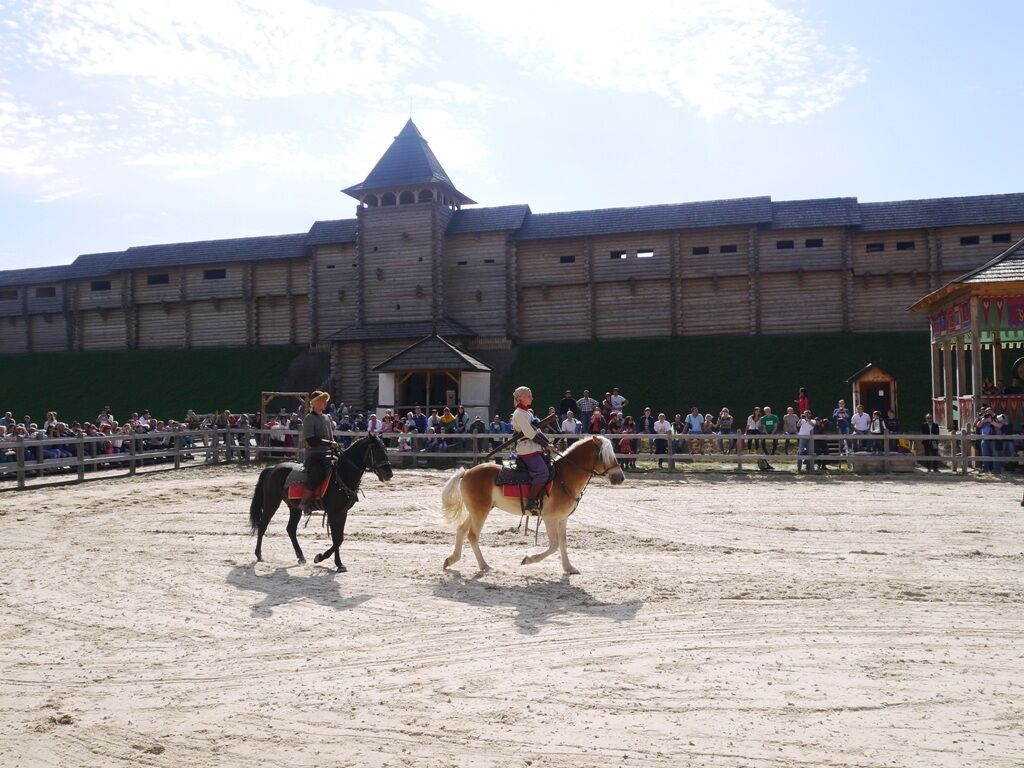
(671,375)
(167,382)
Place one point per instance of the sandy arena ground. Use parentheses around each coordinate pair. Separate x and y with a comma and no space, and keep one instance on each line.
(720,621)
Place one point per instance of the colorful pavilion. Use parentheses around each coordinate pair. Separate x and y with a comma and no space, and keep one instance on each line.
(973,319)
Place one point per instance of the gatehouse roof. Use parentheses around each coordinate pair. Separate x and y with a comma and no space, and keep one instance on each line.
(432,353)
(408,162)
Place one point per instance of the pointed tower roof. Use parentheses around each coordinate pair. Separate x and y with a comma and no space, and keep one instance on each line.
(408,162)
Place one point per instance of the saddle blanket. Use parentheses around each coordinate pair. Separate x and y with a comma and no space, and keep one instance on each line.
(295,488)
(521,490)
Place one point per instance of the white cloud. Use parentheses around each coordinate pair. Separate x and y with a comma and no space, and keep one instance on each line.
(230,48)
(744,58)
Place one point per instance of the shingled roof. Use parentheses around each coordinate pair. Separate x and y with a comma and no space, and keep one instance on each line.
(216,251)
(330,232)
(408,162)
(606,221)
(96,264)
(499,218)
(33,275)
(822,212)
(1007,267)
(943,212)
(430,354)
(415,329)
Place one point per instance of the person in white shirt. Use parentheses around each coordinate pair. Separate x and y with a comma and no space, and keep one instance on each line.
(618,401)
(374,424)
(530,446)
(571,425)
(861,424)
(804,430)
(662,427)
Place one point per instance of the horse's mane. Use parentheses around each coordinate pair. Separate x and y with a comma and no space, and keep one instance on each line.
(606,451)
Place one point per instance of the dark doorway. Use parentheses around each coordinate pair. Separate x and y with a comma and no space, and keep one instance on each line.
(876,396)
(428,389)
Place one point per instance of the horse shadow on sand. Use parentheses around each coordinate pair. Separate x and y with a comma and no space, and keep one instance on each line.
(537,602)
(281,587)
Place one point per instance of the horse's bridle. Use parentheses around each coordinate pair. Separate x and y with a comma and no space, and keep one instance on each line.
(371,462)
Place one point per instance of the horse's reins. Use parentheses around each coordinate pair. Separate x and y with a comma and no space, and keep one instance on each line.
(353,493)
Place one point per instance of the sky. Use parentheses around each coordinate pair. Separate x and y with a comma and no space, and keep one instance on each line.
(131,122)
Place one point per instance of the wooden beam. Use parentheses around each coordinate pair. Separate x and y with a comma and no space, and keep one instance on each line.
(947,389)
(754,279)
(588,260)
(975,357)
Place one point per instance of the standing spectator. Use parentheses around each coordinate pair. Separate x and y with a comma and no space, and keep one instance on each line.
(753,427)
(646,427)
(626,445)
(841,418)
(892,427)
(618,401)
(769,426)
(606,406)
(462,420)
(662,429)
(876,429)
(931,446)
(805,428)
(726,424)
(615,423)
(570,425)
(860,422)
(476,427)
(420,420)
(694,426)
(802,402)
(679,428)
(105,417)
(789,427)
(585,407)
(566,404)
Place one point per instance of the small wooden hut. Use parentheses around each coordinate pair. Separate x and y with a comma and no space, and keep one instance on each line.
(973,319)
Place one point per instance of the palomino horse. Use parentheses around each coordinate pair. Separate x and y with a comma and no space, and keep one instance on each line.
(366,453)
(470,495)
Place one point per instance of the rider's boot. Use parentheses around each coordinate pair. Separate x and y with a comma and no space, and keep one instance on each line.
(533,503)
(307,501)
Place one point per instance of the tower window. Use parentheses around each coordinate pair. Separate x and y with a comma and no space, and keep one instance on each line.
(461,263)
(99,285)
(488,261)
(905,245)
(874,247)
(46,293)
(814,242)
(566,259)
(8,294)
(970,240)
(159,279)
(214,274)
(727,248)
(784,245)
(1001,238)
(645,253)
(617,255)
(701,250)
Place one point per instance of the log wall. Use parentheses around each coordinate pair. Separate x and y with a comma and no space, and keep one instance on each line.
(398,262)
(335,285)
(102,329)
(475,282)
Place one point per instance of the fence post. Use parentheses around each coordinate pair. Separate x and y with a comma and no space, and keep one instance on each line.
(886,462)
(671,456)
(811,452)
(131,452)
(80,454)
(739,450)
(965,449)
(20,451)
(177,450)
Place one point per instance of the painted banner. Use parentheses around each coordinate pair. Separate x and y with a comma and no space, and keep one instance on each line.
(951,321)
(1001,313)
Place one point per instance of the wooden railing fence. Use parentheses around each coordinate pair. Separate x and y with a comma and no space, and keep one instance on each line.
(959,451)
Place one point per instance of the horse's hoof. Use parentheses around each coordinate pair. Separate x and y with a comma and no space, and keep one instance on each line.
(447,562)
(302,561)
(342,568)
(526,560)
(317,558)
(259,559)
(572,572)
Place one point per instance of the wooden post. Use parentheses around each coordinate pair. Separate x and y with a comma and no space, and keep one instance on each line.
(810,451)
(131,452)
(961,374)
(936,375)
(965,450)
(671,455)
(886,462)
(80,453)
(739,450)
(947,387)
(997,359)
(20,452)
(975,357)
(177,450)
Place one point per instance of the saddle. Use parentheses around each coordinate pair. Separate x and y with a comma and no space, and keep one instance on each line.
(297,479)
(514,480)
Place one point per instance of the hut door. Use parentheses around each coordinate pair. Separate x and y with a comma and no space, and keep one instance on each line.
(876,396)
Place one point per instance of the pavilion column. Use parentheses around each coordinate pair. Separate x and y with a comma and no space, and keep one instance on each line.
(997,359)
(936,373)
(975,356)
(961,373)
(947,388)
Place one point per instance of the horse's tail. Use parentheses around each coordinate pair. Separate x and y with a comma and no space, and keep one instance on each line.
(256,508)
(455,512)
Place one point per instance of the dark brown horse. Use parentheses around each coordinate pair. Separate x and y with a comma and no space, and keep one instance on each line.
(366,453)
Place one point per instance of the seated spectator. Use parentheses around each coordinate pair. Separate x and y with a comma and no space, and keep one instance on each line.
(598,422)
(571,425)
(679,428)
(462,420)
(662,429)
(446,421)
(726,426)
